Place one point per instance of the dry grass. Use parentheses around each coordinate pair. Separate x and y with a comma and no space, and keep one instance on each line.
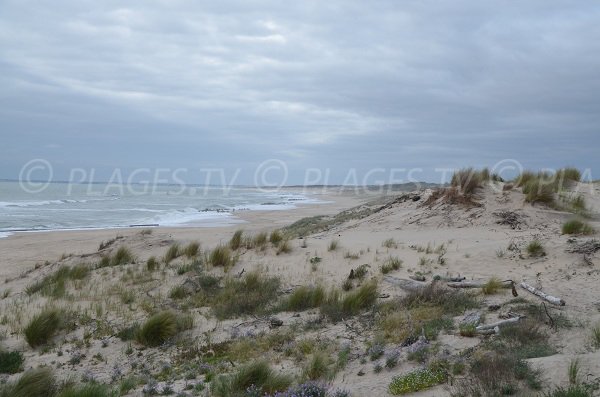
(252,294)
(221,256)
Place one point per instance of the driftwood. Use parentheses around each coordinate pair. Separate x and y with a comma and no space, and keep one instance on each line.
(473,318)
(476,284)
(450,279)
(509,218)
(417,277)
(409,285)
(552,299)
(498,324)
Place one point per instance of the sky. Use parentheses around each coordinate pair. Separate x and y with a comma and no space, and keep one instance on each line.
(324,88)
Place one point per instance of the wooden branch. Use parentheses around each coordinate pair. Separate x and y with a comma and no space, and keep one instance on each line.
(408,285)
(498,324)
(476,284)
(552,299)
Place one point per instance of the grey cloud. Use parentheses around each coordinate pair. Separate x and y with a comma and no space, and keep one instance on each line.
(329,84)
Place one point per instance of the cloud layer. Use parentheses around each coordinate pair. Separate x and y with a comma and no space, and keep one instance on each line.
(335,84)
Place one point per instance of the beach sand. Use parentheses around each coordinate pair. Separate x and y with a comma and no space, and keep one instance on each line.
(439,239)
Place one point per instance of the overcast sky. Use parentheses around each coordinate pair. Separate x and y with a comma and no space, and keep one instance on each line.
(333,84)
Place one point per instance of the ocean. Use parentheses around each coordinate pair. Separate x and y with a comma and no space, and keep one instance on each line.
(67,206)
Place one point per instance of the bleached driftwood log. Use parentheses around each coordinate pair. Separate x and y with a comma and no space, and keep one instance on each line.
(552,299)
(475,284)
(486,328)
(409,285)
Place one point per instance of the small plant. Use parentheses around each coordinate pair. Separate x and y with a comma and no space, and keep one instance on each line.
(88,390)
(173,252)
(259,241)
(467,329)
(390,264)
(284,247)
(539,191)
(152,264)
(535,249)
(275,238)
(191,250)
(220,256)
(236,240)
(359,273)
(158,329)
(11,362)
(333,245)
(42,327)
(177,292)
(391,360)
(416,380)
(375,351)
(33,383)
(317,368)
(305,297)
(257,377)
(576,226)
(573,372)
(123,256)
(596,336)
(389,243)
(492,286)
(469,180)
(314,260)
(500,253)
(246,296)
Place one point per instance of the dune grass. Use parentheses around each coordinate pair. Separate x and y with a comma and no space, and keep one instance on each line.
(535,249)
(38,382)
(575,226)
(318,367)
(152,264)
(390,264)
(253,293)
(54,285)
(191,250)
(236,240)
(333,245)
(284,247)
(492,286)
(88,390)
(257,376)
(173,252)
(305,297)
(221,256)
(275,238)
(338,306)
(44,326)
(159,328)
(468,180)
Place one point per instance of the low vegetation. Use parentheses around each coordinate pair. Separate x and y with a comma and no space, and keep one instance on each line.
(305,297)
(535,249)
(44,326)
(575,226)
(236,240)
(257,378)
(54,285)
(253,293)
(221,256)
(416,380)
(160,328)
(172,253)
(33,383)
(11,362)
(192,249)
(338,306)
(390,264)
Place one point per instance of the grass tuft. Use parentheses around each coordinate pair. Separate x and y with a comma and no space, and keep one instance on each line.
(576,226)
(535,249)
(256,376)
(42,327)
(492,286)
(173,252)
(253,293)
(220,256)
(158,329)
(11,362)
(192,249)
(305,297)
(38,382)
(236,240)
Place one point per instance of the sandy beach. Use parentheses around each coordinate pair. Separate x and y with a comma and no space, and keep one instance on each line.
(399,242)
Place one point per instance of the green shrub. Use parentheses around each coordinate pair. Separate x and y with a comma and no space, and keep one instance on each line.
(416,380)
(236,240)
(257,375)
(576,226)
(173,252)
(535,249)
(192,249)
(305,297)
(158,329)
(255,292)
(221,256)
(89,390)
(38,382)
(11,362)
(42,327)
